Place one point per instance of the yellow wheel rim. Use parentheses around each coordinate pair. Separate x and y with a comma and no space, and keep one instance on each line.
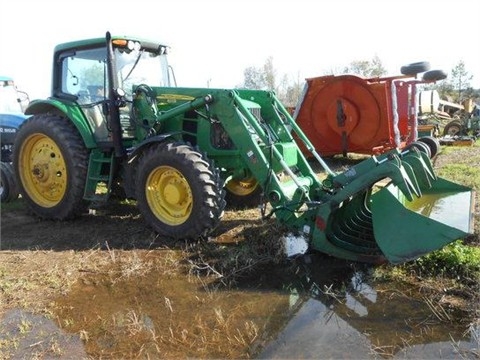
(169,195)
(242,187)
(43,171)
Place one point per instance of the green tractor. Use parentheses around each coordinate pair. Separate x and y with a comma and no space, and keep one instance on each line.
(117,125)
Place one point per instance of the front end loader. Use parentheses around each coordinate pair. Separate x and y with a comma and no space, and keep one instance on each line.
(116,124)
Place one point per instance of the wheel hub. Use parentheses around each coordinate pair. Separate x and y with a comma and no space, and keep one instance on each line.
(174,193)
(169,195)
(242,187)
(43,170)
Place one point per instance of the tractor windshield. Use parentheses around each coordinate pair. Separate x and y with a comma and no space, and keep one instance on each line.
(84,72)
(141,67)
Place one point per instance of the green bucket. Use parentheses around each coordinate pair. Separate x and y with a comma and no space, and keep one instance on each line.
(405,230)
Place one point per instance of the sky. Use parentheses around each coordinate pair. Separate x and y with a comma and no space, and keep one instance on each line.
(213,41)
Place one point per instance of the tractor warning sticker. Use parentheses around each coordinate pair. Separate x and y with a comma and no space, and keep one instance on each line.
(252,157)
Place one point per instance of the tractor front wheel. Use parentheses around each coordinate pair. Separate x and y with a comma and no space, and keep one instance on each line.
(178,191)
(50,161)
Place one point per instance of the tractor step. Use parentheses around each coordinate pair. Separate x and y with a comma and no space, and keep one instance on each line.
(100,170)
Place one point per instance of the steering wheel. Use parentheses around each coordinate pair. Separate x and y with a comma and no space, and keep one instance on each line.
(146,99)
(150,95)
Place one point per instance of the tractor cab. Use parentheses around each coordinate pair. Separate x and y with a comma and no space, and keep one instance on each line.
(81,75)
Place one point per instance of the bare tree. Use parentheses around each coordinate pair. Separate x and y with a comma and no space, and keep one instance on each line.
(460,79)
(253,78)
(456,87)
(266,78)
(366,68)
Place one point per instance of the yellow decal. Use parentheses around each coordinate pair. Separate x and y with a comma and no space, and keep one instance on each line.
(170,98)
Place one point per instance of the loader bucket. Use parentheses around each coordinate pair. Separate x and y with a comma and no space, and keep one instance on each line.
(405,230)
(385,226)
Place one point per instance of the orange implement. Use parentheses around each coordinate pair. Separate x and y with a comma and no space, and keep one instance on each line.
(348,113)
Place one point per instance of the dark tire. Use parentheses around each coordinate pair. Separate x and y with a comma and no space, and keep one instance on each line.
(415,68)
(50,162)
(453,128)
(246,193)
(434,75)
(178,191)
(432,143)
(421,146)
(8,186)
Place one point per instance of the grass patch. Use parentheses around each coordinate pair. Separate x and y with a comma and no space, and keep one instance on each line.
(455,261)
(462,173)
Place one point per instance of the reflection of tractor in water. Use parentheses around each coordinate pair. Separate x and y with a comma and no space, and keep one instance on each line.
(12,102)
(337,310)
(178,151)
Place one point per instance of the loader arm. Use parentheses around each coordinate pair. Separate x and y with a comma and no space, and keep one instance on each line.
(348,214)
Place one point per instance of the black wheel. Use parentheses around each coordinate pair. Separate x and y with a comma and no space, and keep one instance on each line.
(452,128)
(244,193)
(178,191)
(8,187)
(432,143)
(434,75)
(421,146)
(415,68)
(50,162)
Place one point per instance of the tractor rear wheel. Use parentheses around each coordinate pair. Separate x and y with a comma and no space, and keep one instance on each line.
(178,190)
(8,187)
(244,193)
(51,161)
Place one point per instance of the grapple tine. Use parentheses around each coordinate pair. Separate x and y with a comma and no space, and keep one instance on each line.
(403,176)
(421,177)
(421,166)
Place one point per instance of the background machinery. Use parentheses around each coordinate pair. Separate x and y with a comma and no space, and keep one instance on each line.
(12,102)
(465,122)
(116,125)
(351,114)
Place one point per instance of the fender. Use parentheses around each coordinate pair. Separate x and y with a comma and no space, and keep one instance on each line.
(133,152)
(68,109)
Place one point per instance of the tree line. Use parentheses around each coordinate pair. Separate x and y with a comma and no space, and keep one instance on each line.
(455,88)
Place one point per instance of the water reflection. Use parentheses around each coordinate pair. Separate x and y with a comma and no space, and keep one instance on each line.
(446,208)
(322,310)
(365,321)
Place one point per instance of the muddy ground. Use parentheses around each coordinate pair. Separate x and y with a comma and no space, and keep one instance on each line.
(41,260)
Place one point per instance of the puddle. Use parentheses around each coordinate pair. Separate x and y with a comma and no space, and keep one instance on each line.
(24,335)
(385,321)
(325,310)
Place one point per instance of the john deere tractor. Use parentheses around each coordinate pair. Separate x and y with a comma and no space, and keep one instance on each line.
(116,124)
